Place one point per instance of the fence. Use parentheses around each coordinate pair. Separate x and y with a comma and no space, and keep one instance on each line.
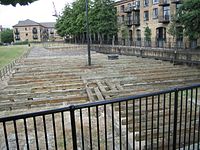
(141,42)
(6,70)
(168,119)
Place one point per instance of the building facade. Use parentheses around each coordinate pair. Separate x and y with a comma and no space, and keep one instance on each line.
(32,31)
(136,15)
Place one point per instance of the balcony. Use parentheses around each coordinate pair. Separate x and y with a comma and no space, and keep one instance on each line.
(128,9)
(136,8)
(16,32)
(129,22)
(34,31)
(176,1)
(164,19)
(164,3)
(136,22)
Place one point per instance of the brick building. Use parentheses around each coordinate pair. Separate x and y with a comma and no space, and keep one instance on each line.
(32,31)
(136,15)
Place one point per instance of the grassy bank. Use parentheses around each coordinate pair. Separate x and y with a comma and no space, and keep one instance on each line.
(10,53)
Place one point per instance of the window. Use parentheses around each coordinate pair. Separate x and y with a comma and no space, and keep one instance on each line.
(122,8)
(146,15)
(26,34)
(155,13)
(146,3)
(155,1)
(122,18)
(25,29)
(166,12)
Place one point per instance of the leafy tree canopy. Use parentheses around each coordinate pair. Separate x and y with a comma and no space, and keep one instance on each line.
(147,33)
(188,16)
(7,36)
(102,18)
(15,2)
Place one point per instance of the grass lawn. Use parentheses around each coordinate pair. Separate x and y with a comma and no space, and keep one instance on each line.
(10,53)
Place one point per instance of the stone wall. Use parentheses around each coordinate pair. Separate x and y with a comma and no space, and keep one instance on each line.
(191,57)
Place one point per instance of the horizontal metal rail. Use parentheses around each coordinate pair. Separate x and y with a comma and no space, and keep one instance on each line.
(168,119)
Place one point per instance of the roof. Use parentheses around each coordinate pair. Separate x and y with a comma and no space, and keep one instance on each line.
(48,24)
(26,22)
(29,22)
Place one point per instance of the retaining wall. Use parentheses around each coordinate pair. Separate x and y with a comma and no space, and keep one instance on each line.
(191,57)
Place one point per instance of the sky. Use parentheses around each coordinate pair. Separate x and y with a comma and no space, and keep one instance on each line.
(39,11)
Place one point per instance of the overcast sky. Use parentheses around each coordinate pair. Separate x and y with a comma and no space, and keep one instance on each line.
(39,11)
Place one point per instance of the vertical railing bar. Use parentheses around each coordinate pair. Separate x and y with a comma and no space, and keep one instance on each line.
(146,122)
(73,126)
(175,118)
(26,133)
(54,131)
(5,135)
(163,141)
(191,96)
(98,136)
(120,127)
(181,119)
(169,125)
(45,132)
(152,122)
(16,135)
(199,131)
(82,133)
(185,118)
(140,123)
(195,117)
(105,122)
(158,115)
(127,125)
(133,124)
(90,128)
(63,128)
(113,127)
(36,135)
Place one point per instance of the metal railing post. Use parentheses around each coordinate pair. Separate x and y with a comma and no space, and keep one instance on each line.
(175,118)
(73,126)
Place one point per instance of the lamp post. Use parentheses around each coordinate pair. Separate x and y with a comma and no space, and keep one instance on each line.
(88,39)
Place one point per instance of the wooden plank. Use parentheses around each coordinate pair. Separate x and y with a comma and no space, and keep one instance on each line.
(98,94)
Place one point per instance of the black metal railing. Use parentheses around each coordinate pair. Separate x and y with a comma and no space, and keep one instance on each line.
(7,70)
(167,119)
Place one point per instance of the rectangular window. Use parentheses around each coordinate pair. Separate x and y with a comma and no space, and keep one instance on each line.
(166,12)
(155,1)
(146,3)
(122,8)
(122,18)
(155,13)
(146,15)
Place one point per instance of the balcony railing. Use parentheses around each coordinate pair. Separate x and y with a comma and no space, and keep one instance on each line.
(128,9)
(176,1)
(168,119)
(136,22)
(164,19)
(129,22)
(164,3)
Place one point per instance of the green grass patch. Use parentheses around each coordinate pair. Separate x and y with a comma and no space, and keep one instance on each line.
(10,53)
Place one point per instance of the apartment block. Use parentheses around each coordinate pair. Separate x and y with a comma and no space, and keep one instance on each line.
(32,31)
(136,15)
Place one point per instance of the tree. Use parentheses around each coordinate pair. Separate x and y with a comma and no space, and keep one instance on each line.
(15,2)
(103,18)
(147,36)
(188,16)
(7,36)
